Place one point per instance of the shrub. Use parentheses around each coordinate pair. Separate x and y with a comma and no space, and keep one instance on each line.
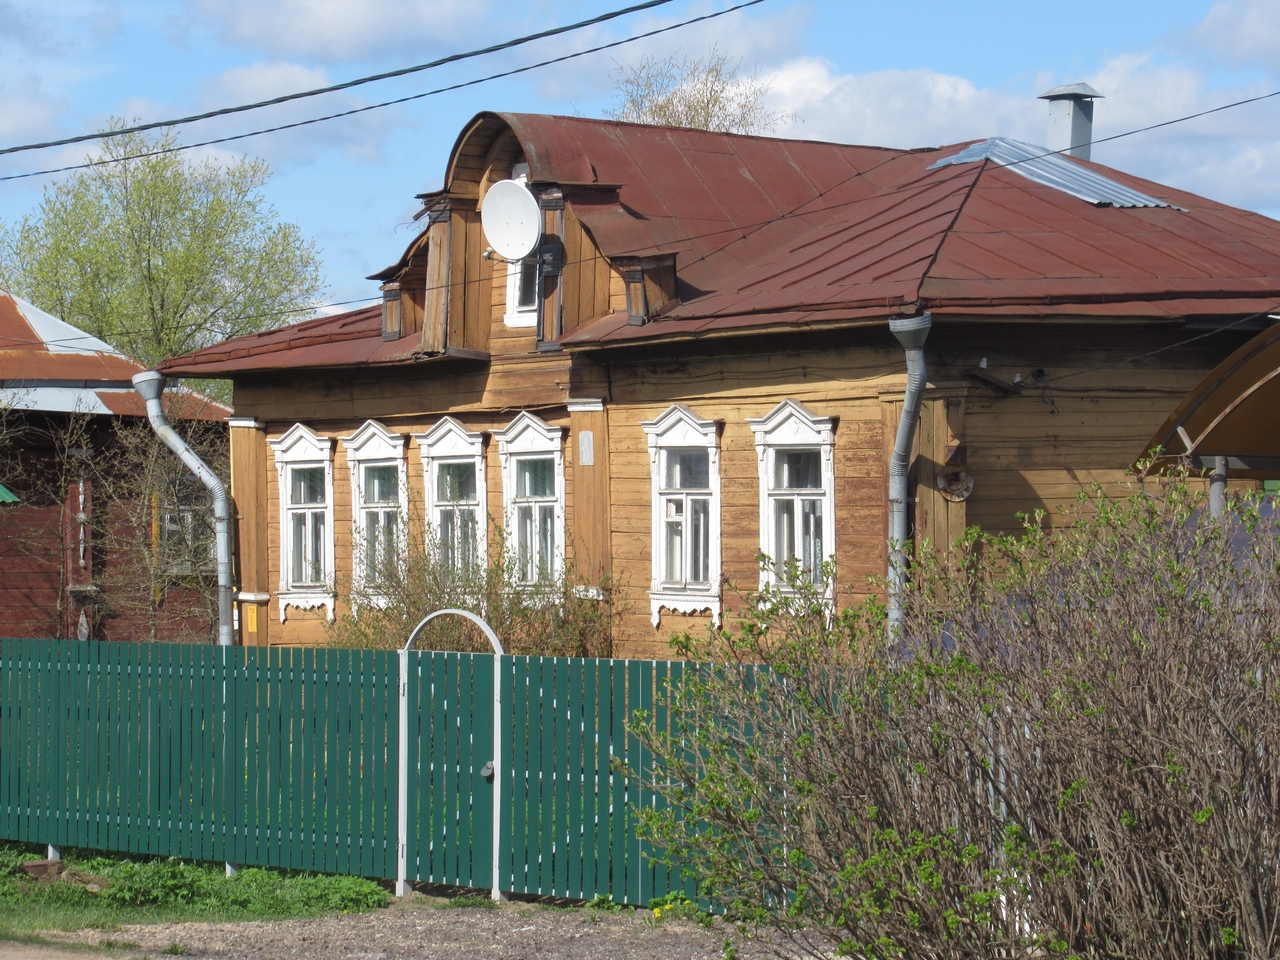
(1071,748)
(555,617)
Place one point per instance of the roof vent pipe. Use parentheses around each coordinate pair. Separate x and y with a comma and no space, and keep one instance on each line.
(1071,118)
(150,385)
(911,333)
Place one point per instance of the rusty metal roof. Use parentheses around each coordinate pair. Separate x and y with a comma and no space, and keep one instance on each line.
(771,233)
(48,365)
(819,232)
(346,339)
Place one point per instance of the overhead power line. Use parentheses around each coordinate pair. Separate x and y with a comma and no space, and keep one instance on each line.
(288,97)
(388,103)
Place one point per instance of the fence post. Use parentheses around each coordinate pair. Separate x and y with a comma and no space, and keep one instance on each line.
(498,772)
(403,887)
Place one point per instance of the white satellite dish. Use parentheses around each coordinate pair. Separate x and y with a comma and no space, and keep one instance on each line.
(511,219)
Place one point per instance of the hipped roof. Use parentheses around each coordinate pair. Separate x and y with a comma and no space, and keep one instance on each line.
(775,234)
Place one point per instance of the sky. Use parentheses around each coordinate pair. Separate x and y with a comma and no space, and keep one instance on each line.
(924,73)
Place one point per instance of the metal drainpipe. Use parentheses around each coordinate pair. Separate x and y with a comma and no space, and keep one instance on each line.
(911,333)
(1218,488)
(150,385)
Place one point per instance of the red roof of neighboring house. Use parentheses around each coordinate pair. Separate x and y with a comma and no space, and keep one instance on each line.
(782,233)
(48,365)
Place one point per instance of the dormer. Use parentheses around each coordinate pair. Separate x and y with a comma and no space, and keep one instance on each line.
(650,283)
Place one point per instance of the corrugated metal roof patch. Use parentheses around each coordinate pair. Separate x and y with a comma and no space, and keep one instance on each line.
(1053,170)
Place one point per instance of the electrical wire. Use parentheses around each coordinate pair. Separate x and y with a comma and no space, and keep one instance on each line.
(388,103)
(286,98)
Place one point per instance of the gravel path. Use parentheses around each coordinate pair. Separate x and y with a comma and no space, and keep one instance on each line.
(413,929)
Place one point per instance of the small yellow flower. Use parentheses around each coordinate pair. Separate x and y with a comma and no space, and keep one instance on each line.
(657,912)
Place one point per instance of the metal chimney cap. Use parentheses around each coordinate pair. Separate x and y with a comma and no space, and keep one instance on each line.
(1071,91)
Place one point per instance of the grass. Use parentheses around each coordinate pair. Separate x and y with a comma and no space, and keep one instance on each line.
(470,900)
(106,892)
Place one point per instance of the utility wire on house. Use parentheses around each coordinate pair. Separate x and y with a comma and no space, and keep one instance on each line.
(390,103)
(286,98)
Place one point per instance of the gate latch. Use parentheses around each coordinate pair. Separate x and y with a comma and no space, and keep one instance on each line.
(487,771)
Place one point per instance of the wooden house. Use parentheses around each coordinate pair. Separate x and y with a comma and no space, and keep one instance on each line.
(69,548)
(694,368)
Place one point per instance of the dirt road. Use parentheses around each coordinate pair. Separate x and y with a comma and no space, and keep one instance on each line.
(415,929)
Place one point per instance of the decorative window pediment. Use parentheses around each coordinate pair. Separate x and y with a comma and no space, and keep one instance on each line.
(684,469)
(301,443)
(373,441)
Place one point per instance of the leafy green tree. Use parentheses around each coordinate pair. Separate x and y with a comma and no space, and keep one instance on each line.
(702,92)
(159,255)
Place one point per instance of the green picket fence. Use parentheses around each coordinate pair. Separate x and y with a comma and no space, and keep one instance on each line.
(291,758)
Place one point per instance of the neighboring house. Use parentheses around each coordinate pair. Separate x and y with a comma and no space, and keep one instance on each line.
(85,551)
(694,368)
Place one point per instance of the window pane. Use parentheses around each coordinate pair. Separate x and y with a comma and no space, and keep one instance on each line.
(546,539)
(675,545)
(448,520)
(797,470)
(381,483)
(528,295)
(688,470)
(298,552)
(812,553)
(306,485)
(316,571)
(525,541)
(535,478)
(784,530)
(468,540)
(699,540)
(390,523)
(456,483)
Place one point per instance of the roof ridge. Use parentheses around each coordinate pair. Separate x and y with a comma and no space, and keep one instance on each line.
(946,234)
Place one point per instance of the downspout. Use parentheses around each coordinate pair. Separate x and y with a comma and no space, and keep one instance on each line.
(1218,488)
(911,333)
(150,385)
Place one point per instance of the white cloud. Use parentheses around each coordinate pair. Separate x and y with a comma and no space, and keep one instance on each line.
(1232,156)
(896,108)
(1242,30)
(339,29)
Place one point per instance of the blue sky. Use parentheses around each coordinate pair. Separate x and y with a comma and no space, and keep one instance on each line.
(897,74)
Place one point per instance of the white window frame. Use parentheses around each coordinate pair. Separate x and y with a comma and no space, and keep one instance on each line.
(793,426)
(450,442)
(373,445)
(516,316)
(529,438)
(301,448)
(677,429)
